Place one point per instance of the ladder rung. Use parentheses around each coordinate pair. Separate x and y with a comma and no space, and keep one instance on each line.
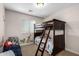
(40,50)
(42,42)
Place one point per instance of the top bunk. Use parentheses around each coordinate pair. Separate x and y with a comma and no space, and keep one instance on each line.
(38,28)
(54,24)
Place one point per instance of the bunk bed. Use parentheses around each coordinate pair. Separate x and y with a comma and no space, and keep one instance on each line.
(56,39)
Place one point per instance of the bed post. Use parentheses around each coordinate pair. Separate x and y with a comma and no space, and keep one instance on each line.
(53,38)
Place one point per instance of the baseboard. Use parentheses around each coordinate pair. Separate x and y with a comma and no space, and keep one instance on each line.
(72,51)
(26,44)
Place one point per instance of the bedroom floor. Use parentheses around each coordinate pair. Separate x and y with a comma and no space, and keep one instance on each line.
(29,50)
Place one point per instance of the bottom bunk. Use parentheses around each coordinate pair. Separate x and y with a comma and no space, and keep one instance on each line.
(53,46)
(49,45)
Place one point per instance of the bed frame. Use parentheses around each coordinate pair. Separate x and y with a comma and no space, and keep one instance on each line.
(58,40)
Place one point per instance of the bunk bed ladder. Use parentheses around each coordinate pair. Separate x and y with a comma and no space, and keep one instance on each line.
(39,49)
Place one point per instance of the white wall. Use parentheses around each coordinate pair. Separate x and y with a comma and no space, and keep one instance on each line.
(14,23)
(1,21)
(71,16)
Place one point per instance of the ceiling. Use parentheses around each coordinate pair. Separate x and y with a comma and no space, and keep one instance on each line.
(29,8)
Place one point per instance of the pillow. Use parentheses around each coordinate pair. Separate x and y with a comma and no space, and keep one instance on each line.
(14,40)
(7,44)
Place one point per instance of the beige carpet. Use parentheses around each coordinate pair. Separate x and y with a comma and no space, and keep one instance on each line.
(30,50)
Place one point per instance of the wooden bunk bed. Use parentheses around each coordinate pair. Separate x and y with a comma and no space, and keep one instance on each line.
(58,40)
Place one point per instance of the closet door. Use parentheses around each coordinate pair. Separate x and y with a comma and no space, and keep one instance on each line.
(32,30)
(28,28)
